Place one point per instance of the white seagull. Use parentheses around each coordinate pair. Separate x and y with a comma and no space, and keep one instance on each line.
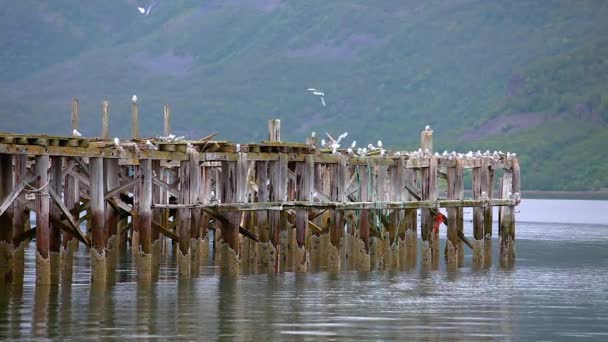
(238,147)
(151,145)
(134,98)
(76,133)
(353,144)
(320,94)
(427,128)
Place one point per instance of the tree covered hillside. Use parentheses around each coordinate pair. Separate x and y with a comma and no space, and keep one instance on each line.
(524,76)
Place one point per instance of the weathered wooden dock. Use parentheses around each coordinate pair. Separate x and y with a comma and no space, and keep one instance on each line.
(273,206)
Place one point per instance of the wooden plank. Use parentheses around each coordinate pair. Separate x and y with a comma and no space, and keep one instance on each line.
(73,223)
(166,120)
(120,189)
(8,200)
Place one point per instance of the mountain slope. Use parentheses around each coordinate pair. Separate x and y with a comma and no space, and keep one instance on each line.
(388,68)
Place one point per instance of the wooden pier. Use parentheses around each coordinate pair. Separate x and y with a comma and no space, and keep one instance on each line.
(272,206)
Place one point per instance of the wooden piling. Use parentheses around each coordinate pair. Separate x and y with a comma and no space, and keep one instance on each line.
(105,119)
(71,197)
(157,197)
(144,221)
(266,251)
(410,222)
(478,221)
(278,186)
(336,231)
(21,219)
(487,184)
(98,234)
(430,245)
(43,262)
(363,259)
(134,118)
(112,181)
(455,191)
(396,193)
(274,130)
(56,183)
(6,219)
(183,228)
(195,215)
(505,223)
(75,114)
(166,120)
(304,176)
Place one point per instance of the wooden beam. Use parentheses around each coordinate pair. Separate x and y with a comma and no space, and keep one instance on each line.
(121,188)
(14,194)
(65,212)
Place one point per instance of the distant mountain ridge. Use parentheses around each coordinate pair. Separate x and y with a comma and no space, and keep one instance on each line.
(525,76)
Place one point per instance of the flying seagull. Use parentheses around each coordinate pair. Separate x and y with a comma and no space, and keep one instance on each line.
(320,94)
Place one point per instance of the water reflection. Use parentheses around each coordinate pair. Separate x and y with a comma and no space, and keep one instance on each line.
(557,290)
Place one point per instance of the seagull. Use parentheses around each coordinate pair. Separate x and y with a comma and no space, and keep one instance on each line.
(313,134)
(238,147)
(342,136)
(350,150)
(323,143)
(380,143)
(151,145)
(320,94)
(212,197)
(134,98)
(353,144)
(311,89)
(117,144)
(141,10)
(76,133)
(427,128)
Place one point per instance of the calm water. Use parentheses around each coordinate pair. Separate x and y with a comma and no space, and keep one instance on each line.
(557,291)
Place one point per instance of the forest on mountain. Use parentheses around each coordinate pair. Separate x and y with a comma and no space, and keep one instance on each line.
(522,76)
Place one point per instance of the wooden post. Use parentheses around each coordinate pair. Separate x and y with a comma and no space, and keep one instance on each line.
(363,259)
(478,213)
(487,181)
(6,219)
(43,262)
(71,195)
(304,177)
(166,120)
(430,245)
(278,185)
(112,181)
(21,218)
(234,185)
(274,130)
(98,234)
(505,223)
(510,189)
(185,218)
(105,119)
(267,253)
(336,231)
(455,191)
(195,225)
(394,246)
(134,118)
(378,240)
(55,231)
(411,224)
(75,114)
(144,221)
(157,197)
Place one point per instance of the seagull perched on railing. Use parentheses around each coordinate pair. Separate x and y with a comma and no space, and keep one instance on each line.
(151,145)
(76,133)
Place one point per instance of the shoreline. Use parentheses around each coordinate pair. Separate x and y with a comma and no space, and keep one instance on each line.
(572,195)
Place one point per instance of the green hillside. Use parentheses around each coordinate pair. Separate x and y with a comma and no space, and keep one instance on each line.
(524,76)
